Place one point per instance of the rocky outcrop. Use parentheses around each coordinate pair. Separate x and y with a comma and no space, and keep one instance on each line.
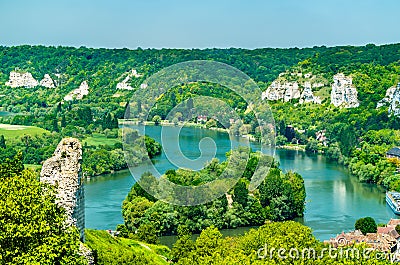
(125,84)
(285,91)
(294,85)
(307,96)
(394,107)
(63,170)
(78,93)
(21,79)
(391,99)
(47,82)
(343,93)
(282,89)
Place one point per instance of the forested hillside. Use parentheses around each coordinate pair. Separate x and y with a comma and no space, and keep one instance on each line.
(87,90)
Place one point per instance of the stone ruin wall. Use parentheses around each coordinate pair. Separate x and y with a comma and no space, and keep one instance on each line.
(63,170)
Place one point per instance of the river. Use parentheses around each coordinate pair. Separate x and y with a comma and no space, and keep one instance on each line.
(335,199)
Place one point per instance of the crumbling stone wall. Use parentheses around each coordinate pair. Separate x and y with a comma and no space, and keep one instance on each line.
(63,170)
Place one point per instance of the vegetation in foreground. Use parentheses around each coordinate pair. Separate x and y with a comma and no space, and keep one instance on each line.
(32,228)
(110,250)
(258,246)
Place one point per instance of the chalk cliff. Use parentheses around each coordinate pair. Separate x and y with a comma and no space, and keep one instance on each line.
(47,82)
(79,93)
(21,79)
(125,84)
(343,93)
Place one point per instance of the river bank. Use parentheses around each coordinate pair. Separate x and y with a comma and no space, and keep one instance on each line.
(335,199)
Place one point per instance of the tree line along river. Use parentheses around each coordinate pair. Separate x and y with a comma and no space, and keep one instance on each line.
(335,199)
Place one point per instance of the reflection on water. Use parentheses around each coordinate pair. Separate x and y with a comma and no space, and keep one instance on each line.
(335,200)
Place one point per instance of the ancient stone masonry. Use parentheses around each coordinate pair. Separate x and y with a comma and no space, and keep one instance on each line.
(343,93)
(78,93)
(19,79)
(63,170)
(392,98)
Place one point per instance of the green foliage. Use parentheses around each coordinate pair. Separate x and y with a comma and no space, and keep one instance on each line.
(153,147)
(156,119)
(279,197)
(261,246)
(241,192)
(32,226)
(183,246)
(147,233)
(11,167)
(312,146)
(366,225)
(110,250)
(283,195)
(2,142)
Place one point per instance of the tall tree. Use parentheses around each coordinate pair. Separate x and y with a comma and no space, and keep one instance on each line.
(32,226)
(2,142)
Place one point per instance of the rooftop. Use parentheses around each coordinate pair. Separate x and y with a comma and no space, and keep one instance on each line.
(394,151)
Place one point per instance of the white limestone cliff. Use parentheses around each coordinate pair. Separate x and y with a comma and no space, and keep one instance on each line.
(21,79)
(79,93)
(394,107)
(388,97)
(343,93)
(125,84)
(47,82)
(307,96)
(282,89)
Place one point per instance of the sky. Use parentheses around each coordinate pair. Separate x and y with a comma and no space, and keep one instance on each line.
(199,23)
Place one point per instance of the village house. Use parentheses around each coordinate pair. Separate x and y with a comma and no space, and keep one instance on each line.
(386,239)
(201,118)
(393,153)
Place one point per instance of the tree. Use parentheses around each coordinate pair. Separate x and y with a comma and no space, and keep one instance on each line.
(147,233)
(59,107)
(55,125)
(312,146)
(32,226)
(85,116)
(184,245)
(241,193)
(156,119)
(366,225)
(208,241)
(153,148)
(63,121)
(2,142)
(11,167)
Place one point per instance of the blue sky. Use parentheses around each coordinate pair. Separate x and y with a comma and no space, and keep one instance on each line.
(199,23)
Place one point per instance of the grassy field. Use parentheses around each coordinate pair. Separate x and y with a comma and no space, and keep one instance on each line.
(100,139)
(114,250)
(16,131)
(35,168)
